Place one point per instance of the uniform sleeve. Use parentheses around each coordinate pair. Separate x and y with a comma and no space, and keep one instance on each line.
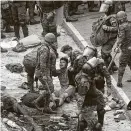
(107,76)
(113,25)
(109,28)
(53,66)
(43,60)
(121,35)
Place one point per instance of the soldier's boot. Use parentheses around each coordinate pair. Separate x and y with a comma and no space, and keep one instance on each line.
(16,30)
(25,30)
(101,116)
(3,50)
(119,82)
(30,80)
(71,19)
(9,29)
(82,126)
(2,35)
(98,127)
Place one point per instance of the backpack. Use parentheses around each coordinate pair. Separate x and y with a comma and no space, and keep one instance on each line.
(98,36)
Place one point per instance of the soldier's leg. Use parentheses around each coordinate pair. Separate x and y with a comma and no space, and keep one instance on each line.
(2,28)
(123,61)
(82,125)
(45,25)
(14,10)
(66,14)
(129,64)
(22,18)
(31,13)
(30,74)
(100,107)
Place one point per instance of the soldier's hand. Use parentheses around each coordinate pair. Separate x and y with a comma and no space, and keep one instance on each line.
(44,77)
(109,92)
(117,50)
(71,69)
(50,16)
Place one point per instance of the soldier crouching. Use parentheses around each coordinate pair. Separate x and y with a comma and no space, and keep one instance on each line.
(90,100)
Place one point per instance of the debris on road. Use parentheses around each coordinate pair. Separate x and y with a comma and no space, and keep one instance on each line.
(15,67)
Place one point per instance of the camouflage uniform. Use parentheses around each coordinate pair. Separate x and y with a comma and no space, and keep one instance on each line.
(31,6)
(45,65)
(48,9)
(29,63)
(6,14)
(124,38)
(101,72)
(93,101)
(110,28)
(19,17)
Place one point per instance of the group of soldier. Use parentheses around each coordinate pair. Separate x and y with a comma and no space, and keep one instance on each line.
(85,77)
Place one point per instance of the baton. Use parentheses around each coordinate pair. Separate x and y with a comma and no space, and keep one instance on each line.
(113,58)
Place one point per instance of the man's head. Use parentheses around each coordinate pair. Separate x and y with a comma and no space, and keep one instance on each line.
(66,49)
(52,40)
(63,63)
(90,52)
(121,16)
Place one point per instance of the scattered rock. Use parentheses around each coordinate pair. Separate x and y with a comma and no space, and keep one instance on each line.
(107,108)
(118,112)
(14,67)
(19,48)
(3,88)
(24,85)
(3,50)
(112,104)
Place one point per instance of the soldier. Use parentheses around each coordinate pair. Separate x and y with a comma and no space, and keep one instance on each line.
(124,42)
(90,99)
(48,15)
(19,17)
(110,29)
(100,71)
(6,15)
(31,6)
(46,61)
(67,15)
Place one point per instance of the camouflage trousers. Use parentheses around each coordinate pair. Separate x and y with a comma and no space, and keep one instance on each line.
(124,60)
(48,26)
(107,59)
(7,15)
(19,18)
(48,82)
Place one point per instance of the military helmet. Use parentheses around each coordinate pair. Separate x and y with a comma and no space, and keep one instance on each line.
(90,51)
(121,15)
(50,37)
(105,6)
